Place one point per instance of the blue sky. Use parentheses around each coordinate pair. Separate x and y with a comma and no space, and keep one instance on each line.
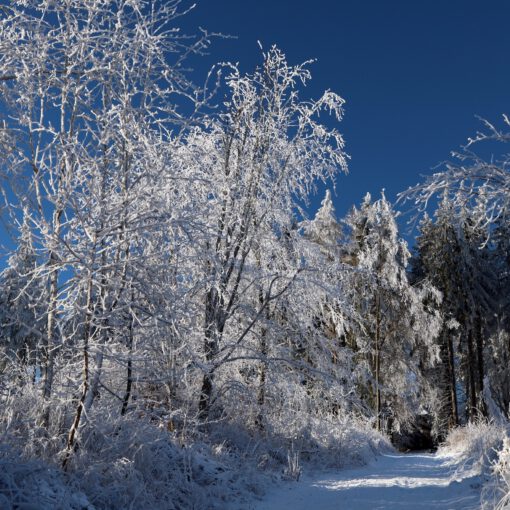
(414,74)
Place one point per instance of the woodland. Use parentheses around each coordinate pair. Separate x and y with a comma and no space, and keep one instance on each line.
(171,312)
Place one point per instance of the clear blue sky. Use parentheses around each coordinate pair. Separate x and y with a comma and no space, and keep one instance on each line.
(413,73)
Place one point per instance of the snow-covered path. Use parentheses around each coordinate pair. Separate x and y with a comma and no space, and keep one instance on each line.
(393,482)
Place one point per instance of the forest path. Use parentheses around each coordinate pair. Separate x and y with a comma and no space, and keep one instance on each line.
(392,482)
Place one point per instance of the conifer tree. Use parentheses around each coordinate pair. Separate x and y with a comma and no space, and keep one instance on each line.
(22,299)
(391,314)
(436,257)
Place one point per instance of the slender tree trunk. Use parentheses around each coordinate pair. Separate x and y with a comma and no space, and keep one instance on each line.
(48,348)
(94,385)
(129,374)
(211,347)
(261,392)
(452,383)
(86,373)
(377,389)
(471,381)
(377,363)
(480,363)
(64,168)
(377,386)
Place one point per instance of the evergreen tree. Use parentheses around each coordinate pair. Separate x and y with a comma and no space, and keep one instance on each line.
(22,305)
(436,257)
(324,229)
(391,312)
(497,348)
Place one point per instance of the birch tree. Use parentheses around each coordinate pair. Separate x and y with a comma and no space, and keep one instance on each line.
(262,154)
(90,93)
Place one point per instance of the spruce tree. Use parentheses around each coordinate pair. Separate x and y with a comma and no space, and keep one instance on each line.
(391,313)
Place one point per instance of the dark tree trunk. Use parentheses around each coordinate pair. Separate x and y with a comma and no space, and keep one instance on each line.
(471,410)
(261,392)
(480,363)
(129,374)
(86,376)
(212,333)
(453,420)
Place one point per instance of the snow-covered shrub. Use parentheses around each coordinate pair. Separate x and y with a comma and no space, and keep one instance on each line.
(293,469)
(320,442)
(344,441)
(125,463)
(496,494)
(34,484)
(132,462)
(484,446)
(476,443)
(502,470)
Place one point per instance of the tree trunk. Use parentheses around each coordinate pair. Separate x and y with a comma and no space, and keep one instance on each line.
(212,333)
(453,420)
(480,363)
(261,392)
(129,375)
(471,410)
(377,362)
(48,348)
(85,384)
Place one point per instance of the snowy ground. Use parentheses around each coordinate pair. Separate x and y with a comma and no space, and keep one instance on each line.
(393,481)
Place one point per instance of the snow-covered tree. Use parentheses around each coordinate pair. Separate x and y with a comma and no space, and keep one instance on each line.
(324,229)
(394,323)
(258,158)
(437,253)
(455,254)
(477,183)
(470,171)
(497,357)
(22,306)
(89,93)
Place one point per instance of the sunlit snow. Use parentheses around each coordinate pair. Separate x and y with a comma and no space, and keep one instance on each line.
(422,481)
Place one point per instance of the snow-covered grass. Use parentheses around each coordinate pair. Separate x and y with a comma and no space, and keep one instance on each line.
(35,484)
(338,442)
(486,446)
(265,459)
(135,461)
(325,443)
(502,472)
(477,443)
(129,463)
(497,491)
